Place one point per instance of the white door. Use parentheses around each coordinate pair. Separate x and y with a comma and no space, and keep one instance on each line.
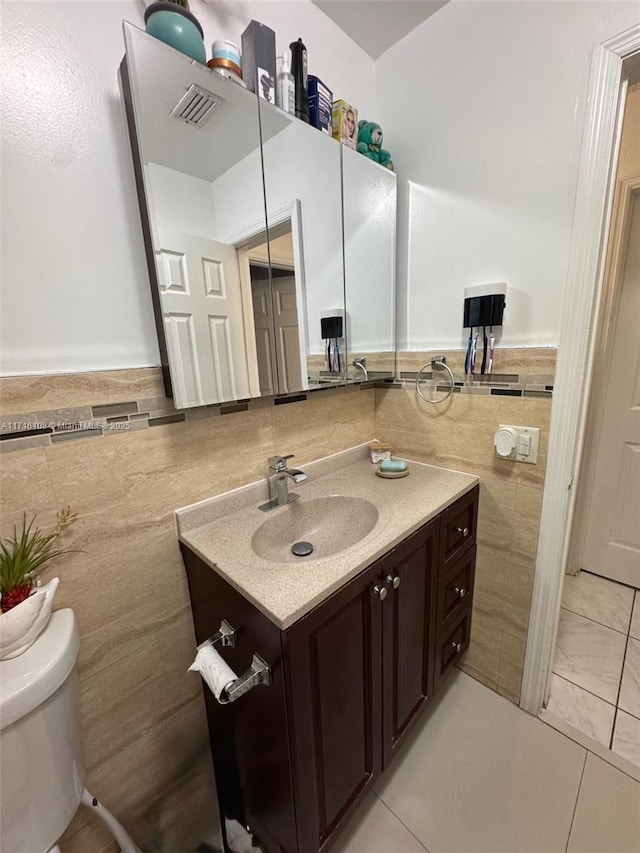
(287,333)
(202,308)
(265,345)
(612,541)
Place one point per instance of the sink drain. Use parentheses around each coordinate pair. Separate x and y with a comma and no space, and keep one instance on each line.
(302,549)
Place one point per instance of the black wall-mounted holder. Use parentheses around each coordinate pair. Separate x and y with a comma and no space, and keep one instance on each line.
(483,307)
(483,310)
(331,327)
(332,323)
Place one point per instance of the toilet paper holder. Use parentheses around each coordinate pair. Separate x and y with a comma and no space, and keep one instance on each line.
(224,636)
(258,673)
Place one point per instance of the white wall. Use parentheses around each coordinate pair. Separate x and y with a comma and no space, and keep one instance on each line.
(483,109)
(179,202)
(75,293)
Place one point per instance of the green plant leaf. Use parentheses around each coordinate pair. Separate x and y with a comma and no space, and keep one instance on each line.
(26,553)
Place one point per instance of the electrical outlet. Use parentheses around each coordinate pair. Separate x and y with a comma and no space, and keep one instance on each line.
(518,443)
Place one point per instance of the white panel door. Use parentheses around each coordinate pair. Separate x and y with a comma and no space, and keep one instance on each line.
(265,345)
(287,333)
(612,541)
(204,324)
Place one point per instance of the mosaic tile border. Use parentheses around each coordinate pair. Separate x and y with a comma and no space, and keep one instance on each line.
(46,428)
(494,384)
(55,426)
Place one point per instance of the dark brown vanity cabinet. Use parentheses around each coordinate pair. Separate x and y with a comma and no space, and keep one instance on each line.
(348,680)
(408,635)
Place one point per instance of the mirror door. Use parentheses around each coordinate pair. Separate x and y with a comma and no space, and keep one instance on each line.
(304,217)
(196,146)
(369,194)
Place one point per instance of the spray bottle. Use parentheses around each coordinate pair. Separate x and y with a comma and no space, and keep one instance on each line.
(285,86)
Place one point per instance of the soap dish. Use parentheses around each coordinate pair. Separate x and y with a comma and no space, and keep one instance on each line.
(392,475)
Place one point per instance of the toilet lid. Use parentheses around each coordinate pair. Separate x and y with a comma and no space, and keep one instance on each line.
(28,680)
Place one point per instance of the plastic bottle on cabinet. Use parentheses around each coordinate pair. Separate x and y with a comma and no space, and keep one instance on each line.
(286,87)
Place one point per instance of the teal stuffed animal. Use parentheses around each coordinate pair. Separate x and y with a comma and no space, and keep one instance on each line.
(370,143)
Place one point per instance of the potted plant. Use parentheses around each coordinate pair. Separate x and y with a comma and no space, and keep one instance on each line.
(26,608)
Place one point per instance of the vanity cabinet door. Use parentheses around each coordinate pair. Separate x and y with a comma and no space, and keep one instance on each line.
(334,684)
(408,633)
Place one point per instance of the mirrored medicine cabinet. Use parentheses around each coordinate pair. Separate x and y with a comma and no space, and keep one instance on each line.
(270,246)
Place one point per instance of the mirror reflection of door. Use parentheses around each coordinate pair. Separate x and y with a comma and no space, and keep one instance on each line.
(202,309)
(196,150)
(263,328)
(275,312)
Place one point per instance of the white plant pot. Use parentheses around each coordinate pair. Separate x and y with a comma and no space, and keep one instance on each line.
(21,626)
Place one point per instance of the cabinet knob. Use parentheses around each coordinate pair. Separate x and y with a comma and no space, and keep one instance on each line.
(457,647)
(464,531)
(393,581)
(381,592)
(460,591)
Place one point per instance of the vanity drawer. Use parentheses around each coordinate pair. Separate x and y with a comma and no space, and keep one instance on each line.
(452,644)
(458,529)
(455,590)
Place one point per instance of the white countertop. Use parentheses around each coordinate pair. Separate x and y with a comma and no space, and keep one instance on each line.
(220,530)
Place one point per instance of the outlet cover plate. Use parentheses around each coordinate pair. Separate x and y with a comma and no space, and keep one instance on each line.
(533,433)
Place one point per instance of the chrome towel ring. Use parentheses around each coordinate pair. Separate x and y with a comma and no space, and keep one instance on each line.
(437,363)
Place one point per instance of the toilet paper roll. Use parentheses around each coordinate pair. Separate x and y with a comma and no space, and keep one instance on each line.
(213,669)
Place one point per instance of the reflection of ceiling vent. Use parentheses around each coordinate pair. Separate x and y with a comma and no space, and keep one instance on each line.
(197,105)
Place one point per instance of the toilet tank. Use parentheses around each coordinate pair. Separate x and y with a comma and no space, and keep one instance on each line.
(41,762)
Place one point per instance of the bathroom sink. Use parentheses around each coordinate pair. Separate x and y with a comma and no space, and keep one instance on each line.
(331,524)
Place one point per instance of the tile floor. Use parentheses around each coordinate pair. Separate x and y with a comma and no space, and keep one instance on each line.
(595,686)
(478,775)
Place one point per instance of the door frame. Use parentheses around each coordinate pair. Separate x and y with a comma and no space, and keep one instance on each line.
(581,308)
(292,211)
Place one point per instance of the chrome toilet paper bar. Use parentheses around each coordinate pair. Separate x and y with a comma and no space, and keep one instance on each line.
(258,673)
(224,636)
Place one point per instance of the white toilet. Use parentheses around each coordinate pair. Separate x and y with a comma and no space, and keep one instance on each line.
(41,760)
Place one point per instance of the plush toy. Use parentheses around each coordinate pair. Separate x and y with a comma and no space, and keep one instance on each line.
(370,143)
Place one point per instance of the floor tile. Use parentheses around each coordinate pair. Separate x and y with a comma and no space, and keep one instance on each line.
(630,688)
(600,599)
(607,817)
(375,829)
(590,655)
(586,712)
(626,737)
(635,619)
(481,776)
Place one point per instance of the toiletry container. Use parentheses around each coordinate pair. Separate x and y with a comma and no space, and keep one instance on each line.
(320,104)
(299,71)
(259,60)
(285,86)
(225,60)
(42,770)
(345,124)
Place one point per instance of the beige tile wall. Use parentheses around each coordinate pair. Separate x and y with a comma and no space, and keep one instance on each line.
(459,434)
(145,730)
(144,724)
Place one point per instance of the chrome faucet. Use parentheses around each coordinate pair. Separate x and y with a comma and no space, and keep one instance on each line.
(279,474)
(361,363)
